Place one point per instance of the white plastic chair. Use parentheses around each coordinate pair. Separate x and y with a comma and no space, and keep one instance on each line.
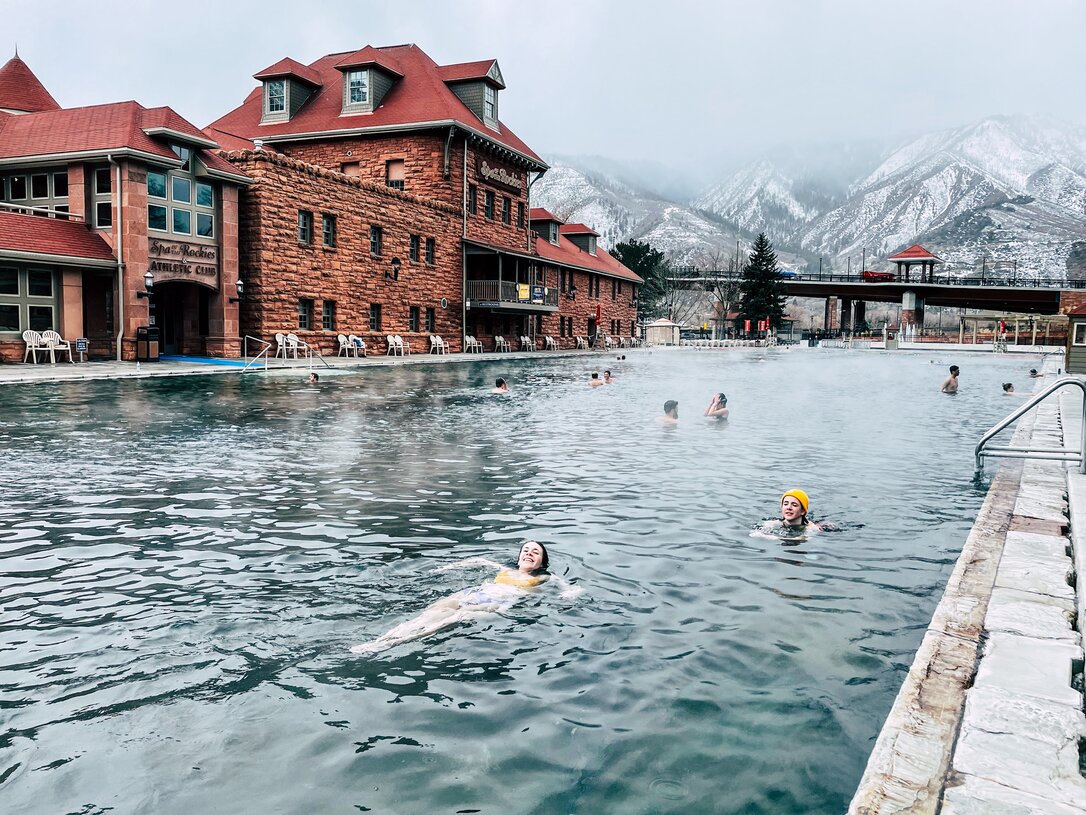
(394,348)
(359,345)
(294,345)
(55,343)
(280,345)
(582,343)
(405,346)
(438,345)
(34,343)
(346,347)
(500,343)
(472,345)
(550,343)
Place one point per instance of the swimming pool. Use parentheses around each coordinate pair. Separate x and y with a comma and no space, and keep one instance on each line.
(185,562)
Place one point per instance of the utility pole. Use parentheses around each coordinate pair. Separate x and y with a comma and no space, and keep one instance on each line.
(820,268)
(850,266)
(863,261)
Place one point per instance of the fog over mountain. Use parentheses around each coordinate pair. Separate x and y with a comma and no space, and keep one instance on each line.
(1004,193)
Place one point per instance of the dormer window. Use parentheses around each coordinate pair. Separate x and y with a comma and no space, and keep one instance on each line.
(592,245)
(358,87)
(490,103)
(275,95)
(552,232)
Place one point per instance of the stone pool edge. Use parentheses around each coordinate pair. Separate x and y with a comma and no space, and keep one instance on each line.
(986,719)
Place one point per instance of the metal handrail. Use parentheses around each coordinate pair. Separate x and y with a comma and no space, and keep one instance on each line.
(263,353)
(1051,453)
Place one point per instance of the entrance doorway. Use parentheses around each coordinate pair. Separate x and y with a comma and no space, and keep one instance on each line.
(180,311)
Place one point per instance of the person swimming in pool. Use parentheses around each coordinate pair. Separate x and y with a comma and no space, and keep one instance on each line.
(508,586)
(794,523)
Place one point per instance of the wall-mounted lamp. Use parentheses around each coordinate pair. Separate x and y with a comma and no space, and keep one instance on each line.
(148,285)
(572,292)
(394,273)
(241,291)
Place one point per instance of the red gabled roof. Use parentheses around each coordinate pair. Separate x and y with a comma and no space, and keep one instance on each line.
(464,71)
(289,67)
(49,236)
(21,90)
(566,253)
(370,56)
(101,128)
(421,98)
(540,214)
(914,252)
(577,229)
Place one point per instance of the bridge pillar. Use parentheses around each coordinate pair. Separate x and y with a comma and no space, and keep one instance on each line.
(829,317)
(912,309)
(859,314)
(846,314)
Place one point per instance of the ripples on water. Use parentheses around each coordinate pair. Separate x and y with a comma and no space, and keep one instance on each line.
(185,562)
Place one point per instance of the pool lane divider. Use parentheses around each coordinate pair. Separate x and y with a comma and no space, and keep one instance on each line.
(987,719)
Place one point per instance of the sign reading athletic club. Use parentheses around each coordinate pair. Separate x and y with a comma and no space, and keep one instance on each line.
(177,260)
(494,173)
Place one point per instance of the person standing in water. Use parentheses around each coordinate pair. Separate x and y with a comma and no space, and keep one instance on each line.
(671,414)
(950,385)
(508,586)
(500,386)
(718,407)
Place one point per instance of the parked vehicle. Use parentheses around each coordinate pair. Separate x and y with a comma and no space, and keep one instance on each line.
(878,277)
(788,274)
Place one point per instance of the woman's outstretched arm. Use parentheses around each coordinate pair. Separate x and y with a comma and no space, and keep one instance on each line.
(467,562)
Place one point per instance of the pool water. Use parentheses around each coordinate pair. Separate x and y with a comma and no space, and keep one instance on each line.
(186,562)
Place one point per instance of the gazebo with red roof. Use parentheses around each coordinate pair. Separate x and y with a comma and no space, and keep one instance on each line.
(916,255)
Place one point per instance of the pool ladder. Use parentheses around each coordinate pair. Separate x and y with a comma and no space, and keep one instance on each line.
(1057,453)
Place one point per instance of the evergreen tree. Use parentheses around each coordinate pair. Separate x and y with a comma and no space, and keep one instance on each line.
(761,292)
(640,257)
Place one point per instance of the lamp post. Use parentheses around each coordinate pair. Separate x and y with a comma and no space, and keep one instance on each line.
(394,272)
(240,285)
(148,285)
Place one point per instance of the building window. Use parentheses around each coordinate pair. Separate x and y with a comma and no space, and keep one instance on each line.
(358,87)
(375,316)
(182,153)
(305,314)
(156,218)
(305,227)
(429,251)
(156,184)
(328,315)
(520,215)
(45,197)
(103,214)
(351,169)
(182,221)
(413,319)
(614,289)
(490,103)
(328,230)
(276,91)
(39,186)
(431,321)
(488,206)
(179,184)
(394,174)
(27,300)
(18,188)
(1080,334)
(103,181)
(552,232)
(413,249)
(181,189)
(473,199)
(507,210)
(375,241)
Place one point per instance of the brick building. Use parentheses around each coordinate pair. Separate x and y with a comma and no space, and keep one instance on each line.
(95,202)
(389,198)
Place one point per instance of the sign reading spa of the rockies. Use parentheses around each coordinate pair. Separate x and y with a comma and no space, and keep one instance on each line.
(494,173)
(178,260)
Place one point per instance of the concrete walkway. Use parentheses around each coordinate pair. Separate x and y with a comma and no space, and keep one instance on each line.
(988,719)
(81,371)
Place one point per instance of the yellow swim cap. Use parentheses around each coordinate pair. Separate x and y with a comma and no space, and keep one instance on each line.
(800,496)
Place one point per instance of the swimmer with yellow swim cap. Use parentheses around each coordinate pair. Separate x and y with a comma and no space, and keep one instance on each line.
(794,504)
(793,523)
(508,586)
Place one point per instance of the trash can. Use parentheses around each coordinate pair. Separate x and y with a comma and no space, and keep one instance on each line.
(147,343)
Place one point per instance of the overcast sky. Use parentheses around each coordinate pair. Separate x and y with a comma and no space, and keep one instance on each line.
(689,84)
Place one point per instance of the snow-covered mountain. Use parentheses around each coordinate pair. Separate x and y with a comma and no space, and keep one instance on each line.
(1006,193)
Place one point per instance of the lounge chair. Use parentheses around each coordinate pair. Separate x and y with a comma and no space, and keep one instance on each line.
(359,345)
(501,343)
(346,347)
(34,343)
(550,344)
(394,347)
(54,342)
(438,345)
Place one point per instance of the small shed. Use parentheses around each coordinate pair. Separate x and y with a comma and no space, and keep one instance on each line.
(662,332)
(1076,341)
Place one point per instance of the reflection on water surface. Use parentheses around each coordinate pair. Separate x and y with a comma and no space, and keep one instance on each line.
(185,562)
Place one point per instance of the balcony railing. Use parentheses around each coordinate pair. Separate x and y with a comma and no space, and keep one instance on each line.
(504,291)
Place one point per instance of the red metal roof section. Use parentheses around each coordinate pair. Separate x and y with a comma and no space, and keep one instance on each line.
(567,253)
(577,229)
(370,56)
(914,252)
(21,90)
(540,214)
(420,97)
(49,236)
(289,67)
(464,71)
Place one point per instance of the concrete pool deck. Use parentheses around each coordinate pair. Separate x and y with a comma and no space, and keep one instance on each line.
(990,716)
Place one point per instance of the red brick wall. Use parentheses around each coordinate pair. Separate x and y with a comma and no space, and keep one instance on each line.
(278,270)
(494,232)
